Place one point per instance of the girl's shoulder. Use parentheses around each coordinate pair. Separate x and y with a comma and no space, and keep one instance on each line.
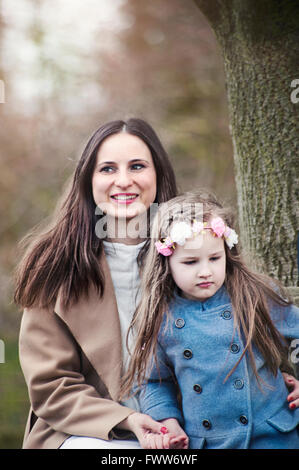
(287,314)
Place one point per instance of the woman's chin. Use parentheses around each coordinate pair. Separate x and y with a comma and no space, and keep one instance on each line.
(127,211)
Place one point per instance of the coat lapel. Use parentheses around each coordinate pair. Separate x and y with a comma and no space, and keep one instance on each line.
(94,323)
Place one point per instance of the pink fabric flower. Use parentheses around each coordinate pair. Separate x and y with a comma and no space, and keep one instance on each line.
(218,226)
(163,249)
(168,242)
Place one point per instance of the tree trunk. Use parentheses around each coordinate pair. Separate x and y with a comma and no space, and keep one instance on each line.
(2,84)
(259,42)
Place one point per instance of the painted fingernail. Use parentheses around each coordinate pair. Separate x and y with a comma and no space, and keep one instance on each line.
(292,405)
(290,398)
(164,430)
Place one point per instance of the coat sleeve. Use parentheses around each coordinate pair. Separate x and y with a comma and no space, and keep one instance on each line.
(286,320)
(58,392)
(159,394)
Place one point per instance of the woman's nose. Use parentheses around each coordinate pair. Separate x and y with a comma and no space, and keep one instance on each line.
(123,179)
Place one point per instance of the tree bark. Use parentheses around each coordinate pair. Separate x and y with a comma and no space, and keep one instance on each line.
(259,42)
(2,85)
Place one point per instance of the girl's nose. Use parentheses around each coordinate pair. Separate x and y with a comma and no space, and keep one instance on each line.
(204,272)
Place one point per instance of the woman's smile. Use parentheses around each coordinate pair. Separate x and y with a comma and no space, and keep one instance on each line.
(124,198)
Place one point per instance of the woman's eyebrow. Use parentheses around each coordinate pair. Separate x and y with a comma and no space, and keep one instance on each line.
(130,161)
(105,163)
(138,160)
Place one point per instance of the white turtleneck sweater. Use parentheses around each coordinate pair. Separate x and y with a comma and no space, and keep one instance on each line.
(122,261)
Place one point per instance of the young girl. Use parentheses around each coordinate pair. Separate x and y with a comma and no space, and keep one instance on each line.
(211,337)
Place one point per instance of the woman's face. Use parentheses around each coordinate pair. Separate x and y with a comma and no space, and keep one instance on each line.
(124,178)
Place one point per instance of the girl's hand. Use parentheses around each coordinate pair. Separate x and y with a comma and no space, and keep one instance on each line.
(142,426)
(178,437)
(293,385)
(166,441)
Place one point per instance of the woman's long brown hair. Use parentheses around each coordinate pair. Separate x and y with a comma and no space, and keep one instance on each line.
(64,256)
(249,291)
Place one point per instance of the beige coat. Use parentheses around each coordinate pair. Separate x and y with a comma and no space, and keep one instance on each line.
(71,360)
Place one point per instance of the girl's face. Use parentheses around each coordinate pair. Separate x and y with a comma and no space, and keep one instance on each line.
(124,178)
(198,267)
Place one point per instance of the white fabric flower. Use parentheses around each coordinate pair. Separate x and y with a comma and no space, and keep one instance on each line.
(197,227)
(179,232)
(232,238)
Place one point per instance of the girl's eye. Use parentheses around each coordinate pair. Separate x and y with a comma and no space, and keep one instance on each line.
(214,258)
(189,262)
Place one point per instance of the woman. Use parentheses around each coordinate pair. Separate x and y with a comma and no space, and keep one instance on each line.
(78,285)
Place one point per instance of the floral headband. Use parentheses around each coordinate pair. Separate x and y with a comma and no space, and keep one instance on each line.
(181,231)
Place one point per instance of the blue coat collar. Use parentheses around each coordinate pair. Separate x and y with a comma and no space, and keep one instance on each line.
(221,297)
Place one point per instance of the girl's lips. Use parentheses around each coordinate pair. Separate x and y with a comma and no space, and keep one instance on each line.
(204,285)
(124,198)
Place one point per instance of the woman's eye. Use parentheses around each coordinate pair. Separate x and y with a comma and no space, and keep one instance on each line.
(137,166)
(106,169)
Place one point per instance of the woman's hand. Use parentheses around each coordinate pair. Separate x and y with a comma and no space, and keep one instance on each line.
(293,385)
(142,426)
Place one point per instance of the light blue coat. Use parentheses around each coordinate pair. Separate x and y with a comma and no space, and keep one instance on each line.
(200,347)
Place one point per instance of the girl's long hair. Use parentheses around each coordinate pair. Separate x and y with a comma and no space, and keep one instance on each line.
(249,292)
(64,256)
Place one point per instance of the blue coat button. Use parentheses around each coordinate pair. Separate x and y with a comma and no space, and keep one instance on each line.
(179,323)
(197,388)
(206,424)
(188,354)
(235,348)
(226,315)
(238,384)
(243,420)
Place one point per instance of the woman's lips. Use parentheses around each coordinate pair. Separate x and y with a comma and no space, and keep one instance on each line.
(124,198)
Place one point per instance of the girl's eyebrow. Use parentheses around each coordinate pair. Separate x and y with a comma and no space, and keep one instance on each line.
(185,257)
(189,257)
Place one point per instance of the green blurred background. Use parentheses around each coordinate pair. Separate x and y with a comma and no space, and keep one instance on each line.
(69,66)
